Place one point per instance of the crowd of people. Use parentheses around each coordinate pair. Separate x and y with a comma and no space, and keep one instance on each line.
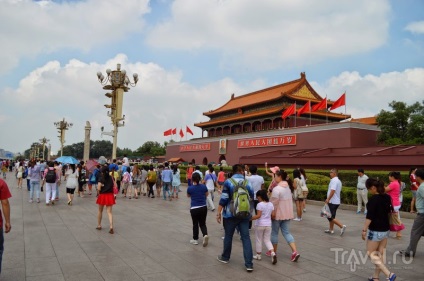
(245,202)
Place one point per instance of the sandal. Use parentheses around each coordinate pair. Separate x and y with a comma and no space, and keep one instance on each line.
(99,228)
(111,231)
(392,277)
(373,278)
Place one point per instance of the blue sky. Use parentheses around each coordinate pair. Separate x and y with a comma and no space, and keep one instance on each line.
(191,55)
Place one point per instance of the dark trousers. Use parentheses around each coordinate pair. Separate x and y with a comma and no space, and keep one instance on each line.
(151,184)
(198,216)
(416,232)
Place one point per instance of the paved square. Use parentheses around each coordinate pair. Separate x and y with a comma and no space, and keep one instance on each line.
(151,242)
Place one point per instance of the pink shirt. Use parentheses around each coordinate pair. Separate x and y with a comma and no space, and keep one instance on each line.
(281,198)
(394,192)
(266,208)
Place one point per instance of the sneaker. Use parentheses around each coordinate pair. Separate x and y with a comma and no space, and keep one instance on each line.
(295,256)
(30,201)
(221,259)
(342,231)
(205,240)
(273,258)
(296,219)
(304,210)
(249,268)
(268,254)
(405,253)
(392,277)
(329,231)
(358,212)
(257,257)
(194,242)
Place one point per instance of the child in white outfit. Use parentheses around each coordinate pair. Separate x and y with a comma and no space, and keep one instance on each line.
(263,225)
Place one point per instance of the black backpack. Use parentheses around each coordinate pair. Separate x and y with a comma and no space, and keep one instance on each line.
(50,176)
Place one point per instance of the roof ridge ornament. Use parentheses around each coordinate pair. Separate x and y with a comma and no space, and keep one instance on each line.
(303,75)
(232,96)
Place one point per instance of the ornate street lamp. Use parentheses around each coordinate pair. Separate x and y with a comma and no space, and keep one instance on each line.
(62,126)
(44,141)
(118,82)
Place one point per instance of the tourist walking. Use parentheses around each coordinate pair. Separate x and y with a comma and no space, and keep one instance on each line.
(159,180)
(176,181)
(361,191)
(197,193)
(272,174)
(126,181)
(71,177)
(414,188)
(34,176)
(135,175)
(58,168)
(105,198)
(4,169)
(418,227)
(93,179)
(303,179)
(20,174)
(151,181)
(221,179)
(393,189)
(5,207)
(376,227)
(282,199)
(264,210)
(166,181)
(333,201)
(143,181)
(82,178)
(298,194)
(257,182)
(189,172)
(50,177)
(230,221)
(210,182)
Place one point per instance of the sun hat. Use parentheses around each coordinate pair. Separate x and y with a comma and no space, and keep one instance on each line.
(274,169)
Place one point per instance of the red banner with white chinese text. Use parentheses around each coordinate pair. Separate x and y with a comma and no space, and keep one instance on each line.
(195,147)
(268,141)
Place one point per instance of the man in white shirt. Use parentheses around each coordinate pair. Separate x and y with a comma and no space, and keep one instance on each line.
(257,182)
(333,201)
(125,161)
(361,191)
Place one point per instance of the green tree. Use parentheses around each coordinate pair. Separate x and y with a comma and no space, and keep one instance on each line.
(101,148)
(75,150)
(403,125)
(151,148)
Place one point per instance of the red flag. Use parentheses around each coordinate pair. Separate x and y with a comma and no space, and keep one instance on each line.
(321,105)
(340,102)
(305,108)
(181,133)
(188,130)
(289,111)
(167,133)
(174,132)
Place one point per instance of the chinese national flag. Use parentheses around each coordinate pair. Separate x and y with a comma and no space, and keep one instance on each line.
(306,108)
(174,132)
(188,131)
(340,102)
(167,133)
(289,111)
(321,105)
(181,133)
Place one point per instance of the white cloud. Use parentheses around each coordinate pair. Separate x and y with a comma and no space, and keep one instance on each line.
(268,34)
(416,27)
(29,28)
(161,100)
(367,95)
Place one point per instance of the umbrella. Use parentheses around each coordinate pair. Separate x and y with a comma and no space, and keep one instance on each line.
(91,165)
(67,160)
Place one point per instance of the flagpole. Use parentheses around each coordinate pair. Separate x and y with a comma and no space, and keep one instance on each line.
(326,109)
(295,117)
(310,111)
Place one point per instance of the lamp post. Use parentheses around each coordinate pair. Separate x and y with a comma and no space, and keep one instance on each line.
(44,141)
(62,126)
(118,82)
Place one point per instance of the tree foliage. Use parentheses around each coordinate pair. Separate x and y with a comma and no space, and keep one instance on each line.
(151,148)
(403,125)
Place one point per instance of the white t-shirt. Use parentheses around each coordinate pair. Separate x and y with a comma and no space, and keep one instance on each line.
(335,184)
(266,208)
(71,178)
(210,181)
(256,182)
(361,182)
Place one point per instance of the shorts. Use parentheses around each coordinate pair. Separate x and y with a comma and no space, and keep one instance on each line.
(377,235)
(221,183)
(70,190)
(333,210)
(414,193)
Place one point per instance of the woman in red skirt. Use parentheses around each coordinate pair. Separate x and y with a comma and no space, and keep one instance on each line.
(106,198)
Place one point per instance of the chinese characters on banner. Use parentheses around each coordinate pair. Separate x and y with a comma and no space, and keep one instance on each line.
(268,141)
(195,147)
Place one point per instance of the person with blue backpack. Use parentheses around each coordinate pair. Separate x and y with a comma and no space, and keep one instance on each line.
(236,205)
(94,179)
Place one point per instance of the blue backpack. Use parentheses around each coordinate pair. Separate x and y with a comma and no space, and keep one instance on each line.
(93,177)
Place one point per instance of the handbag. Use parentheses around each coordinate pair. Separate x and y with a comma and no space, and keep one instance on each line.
(395,223)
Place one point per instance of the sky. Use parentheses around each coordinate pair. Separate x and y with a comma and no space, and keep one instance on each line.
(191,55)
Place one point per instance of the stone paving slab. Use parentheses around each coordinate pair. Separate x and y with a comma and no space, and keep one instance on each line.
(151,242)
